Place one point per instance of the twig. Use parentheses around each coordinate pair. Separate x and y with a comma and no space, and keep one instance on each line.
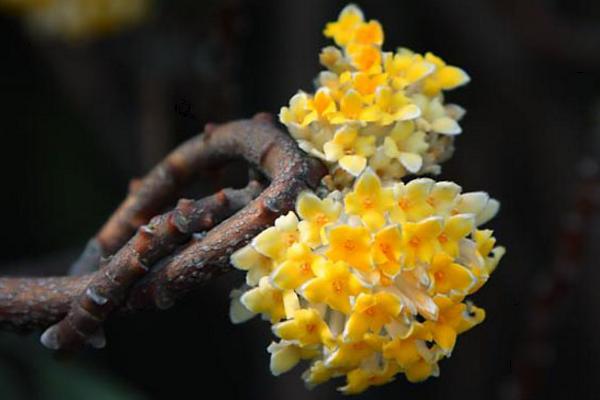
(147,197)
(27,303)
(152,242)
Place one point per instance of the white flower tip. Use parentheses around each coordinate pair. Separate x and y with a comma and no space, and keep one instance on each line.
(455,111)
(411,161)
(353,164)
(446,126)
(489,211)
(352,9)
(410,112)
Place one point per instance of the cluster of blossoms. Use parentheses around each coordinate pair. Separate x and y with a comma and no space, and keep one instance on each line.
(78,19)
(376,108)
(370,280)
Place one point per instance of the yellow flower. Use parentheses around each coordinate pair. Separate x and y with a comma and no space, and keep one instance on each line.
(350,149)
(421,370)
(333,285)
(456,228)
(370,313)
(406,68)
(366,84)
(443,197)
(386,167)
(305,328)
(351,244)
(298,111)
(420,240)
(412,203)
(319,373)
(250,260)
(435,117)
(331,58)
(450,318)
(445,77)
(390,107)
(273,242)
(316,214)
(448,277)
(387,249)
(238,313)
(348,277)
(286,355)
(411,286)
(492,262)
(351,106)
(471,316)
(297,267)
(408,350)
(79,20)
(370,33)
(484,240)
(269,301)
(360,379)
(343,29)
(321,106)
(365,58)
(369,200)
(478,203)
(352,354)
(406,145)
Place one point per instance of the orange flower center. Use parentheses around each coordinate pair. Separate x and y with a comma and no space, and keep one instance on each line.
(443,238)
(305,268)
(338,286)
(385,281)
(414,241)
(349,245)
(310,328)
(385,248)
(431,201)
(439,276)
(359,346)
(321,219)
(371,311)
(368,202)
(404,203)
(290,238)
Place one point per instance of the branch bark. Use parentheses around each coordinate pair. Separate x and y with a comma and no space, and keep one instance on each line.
(147,197)
(30,303)
(151,243)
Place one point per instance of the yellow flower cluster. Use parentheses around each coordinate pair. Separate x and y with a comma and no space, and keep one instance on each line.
(78,19)
(370,282)
(374,108)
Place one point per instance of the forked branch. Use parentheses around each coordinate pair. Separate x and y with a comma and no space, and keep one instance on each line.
(133,279)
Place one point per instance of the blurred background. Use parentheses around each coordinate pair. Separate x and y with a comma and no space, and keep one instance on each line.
(91,97)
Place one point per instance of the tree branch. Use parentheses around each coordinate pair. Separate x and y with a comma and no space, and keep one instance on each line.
(151,243)
(147,197)
(27,303)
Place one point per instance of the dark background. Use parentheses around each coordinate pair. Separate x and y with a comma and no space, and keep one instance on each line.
(78,120)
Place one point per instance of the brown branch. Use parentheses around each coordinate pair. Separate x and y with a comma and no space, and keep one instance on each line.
(152,242)
(27,303)
(147,197)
